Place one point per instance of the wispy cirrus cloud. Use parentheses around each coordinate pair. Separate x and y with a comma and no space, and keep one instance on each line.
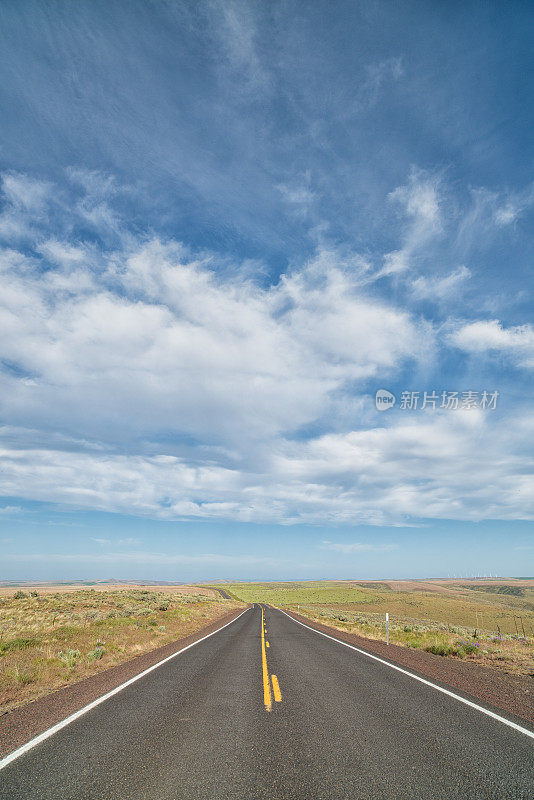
(143,559)
(440,288)
(357,547)
(419,201)
(128,541)
(512,205)
(9,510)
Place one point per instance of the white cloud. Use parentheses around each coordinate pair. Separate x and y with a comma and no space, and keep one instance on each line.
(9,510)
(428,468)
(376,75)
(357,547)
(142,379)
(440,288)
(487,216)
(235,30)
(507,214)
(298,196)
(147,338)
(484,336)
(513,205)
(126,542)
(24,192)
(144,559)
(420,202)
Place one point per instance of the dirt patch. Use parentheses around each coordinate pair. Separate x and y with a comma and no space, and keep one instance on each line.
(510,693)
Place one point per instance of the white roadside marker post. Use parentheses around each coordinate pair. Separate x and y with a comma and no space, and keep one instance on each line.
(387,627)
(298,608)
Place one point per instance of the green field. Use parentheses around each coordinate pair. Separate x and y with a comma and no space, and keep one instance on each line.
(286,594)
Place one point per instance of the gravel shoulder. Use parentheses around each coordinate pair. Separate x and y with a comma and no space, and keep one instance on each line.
(513,694)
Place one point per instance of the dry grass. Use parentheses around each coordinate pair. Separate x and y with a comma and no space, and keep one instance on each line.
(48,640)
(513,654)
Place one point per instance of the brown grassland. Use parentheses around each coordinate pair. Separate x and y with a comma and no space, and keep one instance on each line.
(53,636)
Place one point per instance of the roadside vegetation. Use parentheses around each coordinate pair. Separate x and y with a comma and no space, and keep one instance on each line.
(490,623)
(48,640)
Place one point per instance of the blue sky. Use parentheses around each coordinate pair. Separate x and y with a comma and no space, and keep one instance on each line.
(225,226)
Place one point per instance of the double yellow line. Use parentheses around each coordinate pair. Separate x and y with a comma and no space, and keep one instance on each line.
(267,697)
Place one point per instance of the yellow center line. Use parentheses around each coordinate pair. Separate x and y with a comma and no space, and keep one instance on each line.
(266,685)
(276,689)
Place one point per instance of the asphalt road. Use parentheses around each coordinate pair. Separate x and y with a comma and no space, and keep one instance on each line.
(342,726)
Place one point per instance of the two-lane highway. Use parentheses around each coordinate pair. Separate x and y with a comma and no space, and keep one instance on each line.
(268,709)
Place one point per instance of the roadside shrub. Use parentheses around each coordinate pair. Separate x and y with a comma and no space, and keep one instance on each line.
(34,594)
(69,657)
(469,648)
(96,654)
(23,677)
(19,595)
(440,649)
(17,644)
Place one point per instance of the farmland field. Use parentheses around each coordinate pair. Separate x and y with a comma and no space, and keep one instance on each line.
(490,621)
(52,638)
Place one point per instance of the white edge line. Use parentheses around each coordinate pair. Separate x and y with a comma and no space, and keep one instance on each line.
(59,725)
(417,678)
